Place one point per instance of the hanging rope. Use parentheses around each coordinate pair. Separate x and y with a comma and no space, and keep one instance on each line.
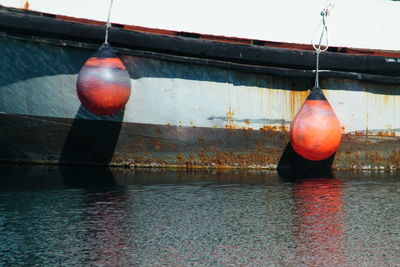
(108,24)
(320,47)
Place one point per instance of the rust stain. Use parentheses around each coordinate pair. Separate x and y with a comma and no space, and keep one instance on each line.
(357,133)
(157,145)
(260,147)
(385,99)
(284,128)
(229,120)
(24,4)
(276,128)
(260,157)
(217,159)
(246,128)
(296,100)
(386,134)
(269,128)
(375,134)
(227,126)
(180,158)
(353,154)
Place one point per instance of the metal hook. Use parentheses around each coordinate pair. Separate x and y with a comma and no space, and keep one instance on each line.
(324,32)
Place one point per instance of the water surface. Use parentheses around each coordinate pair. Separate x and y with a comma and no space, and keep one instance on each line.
(120,217)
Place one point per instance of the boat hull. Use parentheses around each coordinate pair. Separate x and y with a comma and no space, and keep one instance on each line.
(186,111)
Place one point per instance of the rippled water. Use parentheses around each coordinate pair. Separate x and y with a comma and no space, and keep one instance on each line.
(102,217)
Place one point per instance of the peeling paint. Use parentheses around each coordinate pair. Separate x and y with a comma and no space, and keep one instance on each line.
(282,128)
(230,120)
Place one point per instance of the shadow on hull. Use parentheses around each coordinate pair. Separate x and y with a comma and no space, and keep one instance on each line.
(91,139)
(292,166)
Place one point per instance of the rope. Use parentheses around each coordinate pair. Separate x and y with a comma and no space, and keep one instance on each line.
(324,33)
(108,24)
(316,84)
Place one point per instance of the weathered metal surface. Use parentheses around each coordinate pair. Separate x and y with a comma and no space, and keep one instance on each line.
(181,115)
(51,140)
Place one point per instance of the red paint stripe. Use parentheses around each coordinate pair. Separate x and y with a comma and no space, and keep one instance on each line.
(149,30)
(105,62)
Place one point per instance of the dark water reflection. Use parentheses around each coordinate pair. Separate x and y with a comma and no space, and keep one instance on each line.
(116,217)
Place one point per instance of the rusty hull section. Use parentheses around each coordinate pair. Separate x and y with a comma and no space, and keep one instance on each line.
(56,140)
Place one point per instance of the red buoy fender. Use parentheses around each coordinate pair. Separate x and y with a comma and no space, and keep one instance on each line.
(315,132)
(103,84)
